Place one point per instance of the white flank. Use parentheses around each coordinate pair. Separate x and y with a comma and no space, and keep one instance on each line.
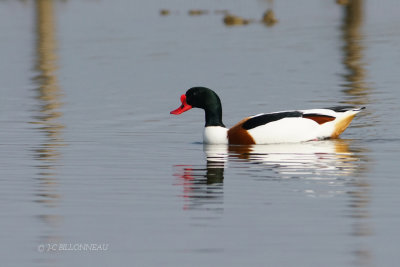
(290,130)
(215,135)
(287,130)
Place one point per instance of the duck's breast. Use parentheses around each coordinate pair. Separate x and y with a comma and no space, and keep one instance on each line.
(215,135)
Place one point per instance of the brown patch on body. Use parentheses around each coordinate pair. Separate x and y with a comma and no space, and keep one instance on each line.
(320,119)
(341,125)
(239,136)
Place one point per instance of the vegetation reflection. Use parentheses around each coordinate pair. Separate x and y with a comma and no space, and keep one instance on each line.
(48,96)
(357,90)
(355,87)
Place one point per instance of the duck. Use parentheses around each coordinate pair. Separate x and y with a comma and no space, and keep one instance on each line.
(289,126)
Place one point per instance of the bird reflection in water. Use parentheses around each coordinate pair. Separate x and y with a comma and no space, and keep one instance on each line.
(203,185)
(308,160)
(327,162)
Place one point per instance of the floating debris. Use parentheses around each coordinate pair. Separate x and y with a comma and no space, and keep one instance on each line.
(269,18)
(164,12)
(197,12)
(233,20)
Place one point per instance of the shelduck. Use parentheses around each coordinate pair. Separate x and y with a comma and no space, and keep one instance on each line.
(266,128)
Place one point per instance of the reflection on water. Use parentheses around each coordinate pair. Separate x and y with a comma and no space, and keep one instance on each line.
(355,85)
(202,185)
(308,160)
(48,97)
(329,162)
(358,91)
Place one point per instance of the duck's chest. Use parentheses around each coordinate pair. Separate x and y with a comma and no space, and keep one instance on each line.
(215,135)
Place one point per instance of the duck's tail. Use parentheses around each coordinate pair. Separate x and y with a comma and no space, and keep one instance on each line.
(343,120)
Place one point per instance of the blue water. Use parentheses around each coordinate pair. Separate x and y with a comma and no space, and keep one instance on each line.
(91,157)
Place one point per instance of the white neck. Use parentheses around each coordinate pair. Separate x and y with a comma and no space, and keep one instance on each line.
(215,135)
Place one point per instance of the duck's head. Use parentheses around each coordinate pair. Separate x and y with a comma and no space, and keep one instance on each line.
(198,97)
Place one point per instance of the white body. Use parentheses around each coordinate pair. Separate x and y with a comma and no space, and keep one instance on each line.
(286,130)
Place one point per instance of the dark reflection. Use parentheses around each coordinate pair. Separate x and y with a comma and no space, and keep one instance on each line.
(48,96)
(357,90)
(203,185)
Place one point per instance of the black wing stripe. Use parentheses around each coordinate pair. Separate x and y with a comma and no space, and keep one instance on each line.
(270,117)
(341,108)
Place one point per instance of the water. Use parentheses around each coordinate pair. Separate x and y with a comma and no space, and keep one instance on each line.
(89,153)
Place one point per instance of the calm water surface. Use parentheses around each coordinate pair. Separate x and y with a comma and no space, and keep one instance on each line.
(89,153)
